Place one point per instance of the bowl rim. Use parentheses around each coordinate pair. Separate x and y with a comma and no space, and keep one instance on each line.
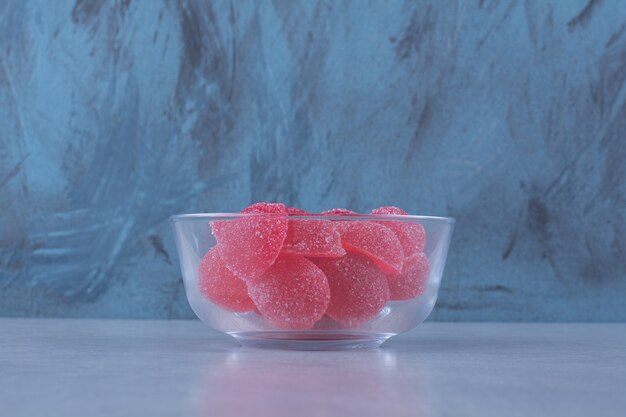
(349,217)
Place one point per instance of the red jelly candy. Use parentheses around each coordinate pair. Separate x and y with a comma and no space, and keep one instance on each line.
(413,279)
(358,290)
(265,208)
(411,235)
(295,211)
(339,212)
(389,210)
(311,237)
(220,286)
(293,294)
(249,245)
(377,242)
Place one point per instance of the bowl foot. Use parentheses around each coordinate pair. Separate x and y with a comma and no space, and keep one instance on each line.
(314,340)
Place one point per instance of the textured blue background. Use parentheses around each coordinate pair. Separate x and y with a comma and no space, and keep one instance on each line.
(508,115)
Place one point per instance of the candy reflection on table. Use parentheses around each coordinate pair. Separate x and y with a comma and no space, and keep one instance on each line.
(332,383)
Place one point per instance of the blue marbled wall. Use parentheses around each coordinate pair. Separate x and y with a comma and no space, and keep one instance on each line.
(508,115)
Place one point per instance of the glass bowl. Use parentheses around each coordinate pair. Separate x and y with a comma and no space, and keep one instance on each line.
(349,281)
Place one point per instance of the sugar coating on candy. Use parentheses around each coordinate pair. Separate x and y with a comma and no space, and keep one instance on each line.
(265,208)
(295,211)
(358,289)
(413,279)
(375,241)
(220,286)
(293,294)
(389,210)
(339,212)
(412,235)
(249,245)
(312,237)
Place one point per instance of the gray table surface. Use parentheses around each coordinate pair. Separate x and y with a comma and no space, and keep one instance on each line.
(181,368)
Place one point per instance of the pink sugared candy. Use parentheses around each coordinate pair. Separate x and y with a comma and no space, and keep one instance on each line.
(293,294)
(358,289)
(249,245)
(339,212)
(266,208)
(315,238)
(220,286)
(375,241)
(296,211)
(411,235)
(413,279)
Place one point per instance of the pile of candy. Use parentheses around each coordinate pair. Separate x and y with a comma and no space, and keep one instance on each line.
(294,271)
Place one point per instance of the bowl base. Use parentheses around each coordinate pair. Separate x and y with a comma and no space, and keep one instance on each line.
(312,340)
